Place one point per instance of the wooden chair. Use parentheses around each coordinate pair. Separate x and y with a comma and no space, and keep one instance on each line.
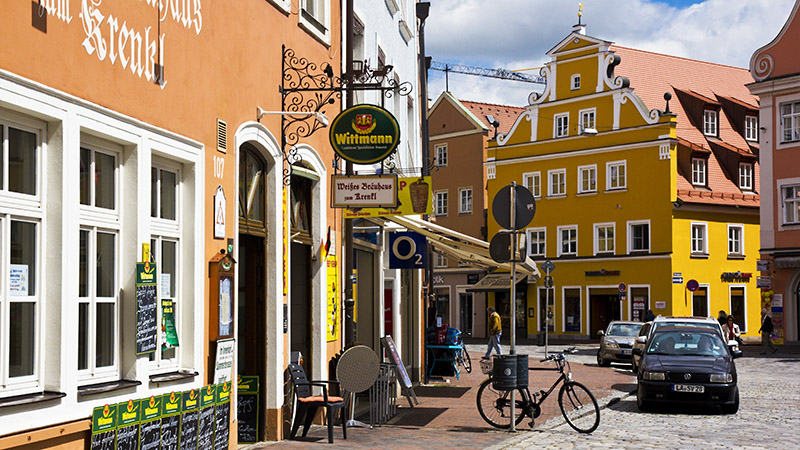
(308,404)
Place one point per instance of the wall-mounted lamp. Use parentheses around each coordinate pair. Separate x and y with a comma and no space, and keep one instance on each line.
(321,118)
(589,132)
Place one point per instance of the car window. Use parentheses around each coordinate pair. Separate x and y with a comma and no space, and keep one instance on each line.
(686,343)
(645,329)
(710,326)
(623,329)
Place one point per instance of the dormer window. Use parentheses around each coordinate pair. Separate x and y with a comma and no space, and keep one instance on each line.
(710,122)
(746,176)
(751,128)
(575,82)
(699,170)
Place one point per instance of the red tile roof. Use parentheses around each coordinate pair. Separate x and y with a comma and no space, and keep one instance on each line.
(653,74)
(504,114)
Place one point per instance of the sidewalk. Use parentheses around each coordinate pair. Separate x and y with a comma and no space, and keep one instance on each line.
(447,416)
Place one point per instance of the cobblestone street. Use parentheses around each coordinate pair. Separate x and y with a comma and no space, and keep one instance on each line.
(768,418)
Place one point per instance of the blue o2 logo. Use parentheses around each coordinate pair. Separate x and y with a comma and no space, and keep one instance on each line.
(408,250)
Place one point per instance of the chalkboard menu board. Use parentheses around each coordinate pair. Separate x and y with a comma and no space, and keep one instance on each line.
(247,409)
(222,426)
(189,430)
(146,308)
(402,374)
(103,441)
(170,429)
(151,435)
(205,428)
(128,438)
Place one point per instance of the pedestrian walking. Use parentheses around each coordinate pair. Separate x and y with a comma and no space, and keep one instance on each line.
(731,330)
(722,318)
(649,317)
(495,330)
(766,332)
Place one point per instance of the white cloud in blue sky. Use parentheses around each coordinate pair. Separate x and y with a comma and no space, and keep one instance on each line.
(515,34)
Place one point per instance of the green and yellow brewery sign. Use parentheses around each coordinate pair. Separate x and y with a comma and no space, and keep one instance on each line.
(364,134)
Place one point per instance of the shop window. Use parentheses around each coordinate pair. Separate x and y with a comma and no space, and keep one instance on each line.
(164,252)
(98,178)
(163,193)
(572,310)
(738,307)
(639,304)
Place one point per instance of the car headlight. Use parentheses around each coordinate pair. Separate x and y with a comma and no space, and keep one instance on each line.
(721,378)
(612,345)
(654,376)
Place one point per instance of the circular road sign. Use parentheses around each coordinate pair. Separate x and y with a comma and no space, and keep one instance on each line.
(500,248)
(623,287)
(524,207)
(692,285)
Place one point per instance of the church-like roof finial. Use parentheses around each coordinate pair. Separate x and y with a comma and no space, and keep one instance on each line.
(580,12)
(579,28)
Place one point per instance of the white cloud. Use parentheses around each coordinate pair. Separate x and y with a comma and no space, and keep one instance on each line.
(516,34)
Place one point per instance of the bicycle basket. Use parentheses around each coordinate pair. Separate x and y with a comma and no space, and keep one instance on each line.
(486,366)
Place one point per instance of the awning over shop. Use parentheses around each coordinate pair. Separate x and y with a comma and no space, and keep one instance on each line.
(465,249)
(495,282)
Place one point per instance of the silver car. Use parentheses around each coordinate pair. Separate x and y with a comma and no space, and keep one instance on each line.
(616,343)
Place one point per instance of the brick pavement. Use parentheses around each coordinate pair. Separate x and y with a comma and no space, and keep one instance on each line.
(448,416)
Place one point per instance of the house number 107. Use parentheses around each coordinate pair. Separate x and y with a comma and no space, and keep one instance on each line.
(219,165)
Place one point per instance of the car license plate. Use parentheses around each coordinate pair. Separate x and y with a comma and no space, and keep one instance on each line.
(626,352)
(688,388)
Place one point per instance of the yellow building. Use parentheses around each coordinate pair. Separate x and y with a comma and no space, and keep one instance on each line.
(643,182)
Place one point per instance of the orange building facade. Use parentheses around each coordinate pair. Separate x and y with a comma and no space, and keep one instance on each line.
(133,123)
(776,71)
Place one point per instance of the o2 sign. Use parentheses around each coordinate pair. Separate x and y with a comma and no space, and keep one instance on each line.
(407,250)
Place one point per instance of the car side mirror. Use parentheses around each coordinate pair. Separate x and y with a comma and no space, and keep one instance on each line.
(736,354)
(641,339)
(637,351)
(601,333)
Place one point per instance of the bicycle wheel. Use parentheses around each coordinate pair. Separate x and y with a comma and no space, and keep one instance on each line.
(465,361)
(495,406)
(579,407)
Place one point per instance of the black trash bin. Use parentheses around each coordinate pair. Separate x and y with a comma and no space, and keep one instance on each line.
(540,339)
(522,371)
(504,372)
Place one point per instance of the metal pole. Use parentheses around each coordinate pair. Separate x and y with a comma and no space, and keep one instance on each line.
(349,302)
(546,314)
(513,321)
(422,11)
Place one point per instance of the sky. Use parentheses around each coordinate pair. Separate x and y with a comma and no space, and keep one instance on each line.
(516,34)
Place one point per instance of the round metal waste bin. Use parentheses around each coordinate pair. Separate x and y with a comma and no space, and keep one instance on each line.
(522,371)
(504,372)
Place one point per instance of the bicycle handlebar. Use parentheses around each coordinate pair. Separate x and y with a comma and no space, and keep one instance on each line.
(559,356)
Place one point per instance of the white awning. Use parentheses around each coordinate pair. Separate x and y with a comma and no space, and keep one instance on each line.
(467,250)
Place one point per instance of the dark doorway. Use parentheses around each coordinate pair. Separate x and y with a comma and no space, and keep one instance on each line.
(365,298)
(700,302)
(301,302)
(605,308)
(465,313)
(503,307)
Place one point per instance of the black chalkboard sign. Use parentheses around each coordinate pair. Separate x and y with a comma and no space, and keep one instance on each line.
(205,429)
(247,415)
(402,374)
(189,430)
(151,435)
(222,428)
(146,319)
(128,438)
(170,429)
(103,440)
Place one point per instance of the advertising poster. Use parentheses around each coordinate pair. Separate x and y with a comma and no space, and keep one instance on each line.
(18,280)
(413,198)
(168,332)
(333,298)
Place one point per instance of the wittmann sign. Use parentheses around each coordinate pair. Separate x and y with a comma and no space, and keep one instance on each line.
(364,191)
(364,134)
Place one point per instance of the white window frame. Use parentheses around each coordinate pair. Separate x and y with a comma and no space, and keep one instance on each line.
(465,204)
(751,128)
(439,260)
(575,82)
(541,241)
(441,155)
(551,174)
(746,176)
(561,125)
(699,171)
(622,181)
(560,249)
(710,122)
(732,243)
(591,170)
(792,204)
(698,244)
(533,182)
(440,207)
(101,220)
(314,16)
(630,225)
(793,117)
(596,239)
(590,115)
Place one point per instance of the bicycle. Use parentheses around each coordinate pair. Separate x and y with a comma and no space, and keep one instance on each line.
(577,404)
(461,355)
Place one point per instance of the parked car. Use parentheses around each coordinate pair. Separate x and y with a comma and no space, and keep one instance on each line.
(616,342)
(691,365)
(670,321)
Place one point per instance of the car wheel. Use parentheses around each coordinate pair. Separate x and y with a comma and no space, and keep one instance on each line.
(732,409)
(640,402)
(601,361)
